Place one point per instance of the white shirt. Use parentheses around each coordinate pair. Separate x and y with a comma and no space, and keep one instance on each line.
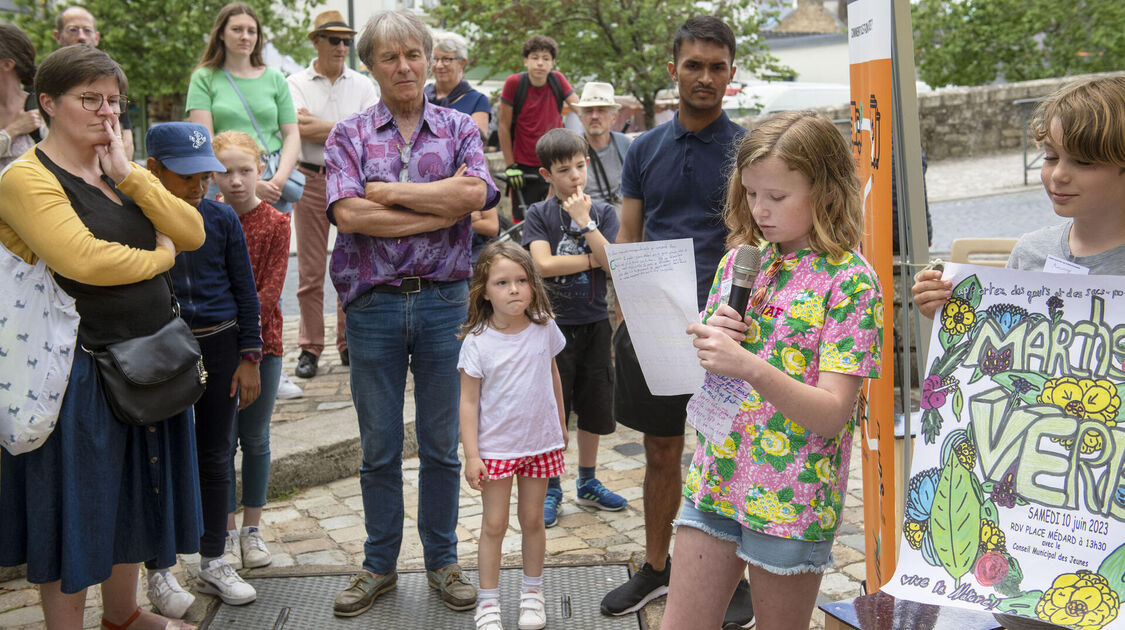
(351,93)
(518,415)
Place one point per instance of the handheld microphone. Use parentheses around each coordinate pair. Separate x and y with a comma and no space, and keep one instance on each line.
(747,264)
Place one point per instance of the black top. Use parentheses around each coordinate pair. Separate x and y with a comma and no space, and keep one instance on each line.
(112,313)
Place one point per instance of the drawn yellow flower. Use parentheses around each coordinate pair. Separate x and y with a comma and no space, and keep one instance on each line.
(793,361)
(775,443)
(915,533)
(991,537)
(1080,600)
(966,454)
(957,316)
(1085,398)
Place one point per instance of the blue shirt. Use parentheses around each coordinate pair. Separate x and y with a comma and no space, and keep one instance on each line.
(215,283)
(472,103)
(680,177)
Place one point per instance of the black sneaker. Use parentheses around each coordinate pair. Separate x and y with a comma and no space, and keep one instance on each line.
(740,611)
(646,585)
(306,364)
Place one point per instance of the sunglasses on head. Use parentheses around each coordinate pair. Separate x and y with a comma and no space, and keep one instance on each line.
(336,41)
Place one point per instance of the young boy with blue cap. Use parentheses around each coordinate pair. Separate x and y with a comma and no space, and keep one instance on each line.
(218,299)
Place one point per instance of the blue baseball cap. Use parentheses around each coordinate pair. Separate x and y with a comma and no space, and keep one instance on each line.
(183,147)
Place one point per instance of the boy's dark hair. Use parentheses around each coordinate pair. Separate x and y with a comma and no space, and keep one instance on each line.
(75,65)
(558,145)
(535,43)
(706,28)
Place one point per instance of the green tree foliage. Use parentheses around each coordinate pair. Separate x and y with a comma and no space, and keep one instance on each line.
(973,42)
(625,42)
(159,42)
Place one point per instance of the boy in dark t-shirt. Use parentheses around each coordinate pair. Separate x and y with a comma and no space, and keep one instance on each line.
(531,104)
(567,235)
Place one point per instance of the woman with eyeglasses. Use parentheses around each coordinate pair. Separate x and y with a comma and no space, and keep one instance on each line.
(99,496)
(232,81)
(450,89)
(20,123)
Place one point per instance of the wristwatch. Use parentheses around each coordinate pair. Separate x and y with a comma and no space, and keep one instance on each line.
(590,227)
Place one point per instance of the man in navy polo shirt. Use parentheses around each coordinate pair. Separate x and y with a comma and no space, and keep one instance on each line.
(672,185)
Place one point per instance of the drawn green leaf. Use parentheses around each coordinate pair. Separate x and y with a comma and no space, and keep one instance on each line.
(1113,570)
(958,403)
(1023,604)
(969,290)
(955,519)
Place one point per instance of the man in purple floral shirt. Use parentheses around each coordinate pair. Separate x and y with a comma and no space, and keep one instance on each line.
(403,178)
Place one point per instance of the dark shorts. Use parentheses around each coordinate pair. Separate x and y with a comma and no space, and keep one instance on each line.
(587,377)
(633,404)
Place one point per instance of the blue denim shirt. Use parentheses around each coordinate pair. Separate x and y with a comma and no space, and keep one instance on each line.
(215,283)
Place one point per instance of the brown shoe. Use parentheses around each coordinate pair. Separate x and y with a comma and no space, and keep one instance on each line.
(361,593)
(456,592)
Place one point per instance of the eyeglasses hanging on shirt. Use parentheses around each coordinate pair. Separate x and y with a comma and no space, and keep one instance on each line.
(404,156)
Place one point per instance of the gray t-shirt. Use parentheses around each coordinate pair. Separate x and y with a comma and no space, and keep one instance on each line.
(1031,251)
(610,161)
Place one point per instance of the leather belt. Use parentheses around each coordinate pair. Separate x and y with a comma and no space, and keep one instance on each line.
(413,284)
(309,166)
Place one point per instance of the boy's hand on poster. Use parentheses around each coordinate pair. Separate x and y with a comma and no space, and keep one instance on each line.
(930,291)
(247,380)
(476,473)
(718,352)
(727,320)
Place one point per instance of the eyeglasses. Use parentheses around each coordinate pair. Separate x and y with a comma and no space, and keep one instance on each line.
(438,61)
(336,41)
(404,156)
(92,101)
(762,296)
(74,30)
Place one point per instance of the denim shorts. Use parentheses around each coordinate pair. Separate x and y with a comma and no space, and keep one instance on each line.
(783,556)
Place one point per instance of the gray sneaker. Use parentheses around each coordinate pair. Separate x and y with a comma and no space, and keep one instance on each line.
(361,593)
(456,591)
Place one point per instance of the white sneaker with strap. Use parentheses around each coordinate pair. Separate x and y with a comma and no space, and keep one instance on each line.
(488,616)
(533,610)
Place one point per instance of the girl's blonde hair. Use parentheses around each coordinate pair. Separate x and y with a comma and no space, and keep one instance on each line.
(480,309)
(1092,116)
(236,140)
(807,142)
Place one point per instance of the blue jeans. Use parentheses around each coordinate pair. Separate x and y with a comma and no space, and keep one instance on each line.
(253,433)
(386,333)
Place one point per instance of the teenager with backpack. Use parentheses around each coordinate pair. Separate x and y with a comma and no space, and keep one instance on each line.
(531,104)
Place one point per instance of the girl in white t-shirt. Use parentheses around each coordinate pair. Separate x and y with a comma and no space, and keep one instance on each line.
(512,420)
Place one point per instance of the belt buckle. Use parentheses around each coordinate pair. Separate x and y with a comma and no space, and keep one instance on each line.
(413,284)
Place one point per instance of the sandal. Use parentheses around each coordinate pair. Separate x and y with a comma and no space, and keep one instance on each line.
(533,612)
(488,617)
(171,625)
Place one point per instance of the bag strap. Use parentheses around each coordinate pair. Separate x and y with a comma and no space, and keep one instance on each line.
(253,121)
(31,105)
(556,88)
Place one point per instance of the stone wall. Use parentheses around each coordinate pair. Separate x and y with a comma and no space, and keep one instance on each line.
(963,122)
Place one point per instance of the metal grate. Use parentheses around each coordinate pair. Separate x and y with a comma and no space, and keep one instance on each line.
(304,602)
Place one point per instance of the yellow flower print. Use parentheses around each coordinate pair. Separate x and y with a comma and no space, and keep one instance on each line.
(837,261)
(693,479)
(795,428)
(753,332)
(835,496)
(726,451)
(957,316)
(1080,600)
(832,360)
(753,402)
(790,264)
(766,506)
(809,308)
(793,361)
(726,508)
(991,537)
(827,517)
(775,443)
(826,472)
(878,313)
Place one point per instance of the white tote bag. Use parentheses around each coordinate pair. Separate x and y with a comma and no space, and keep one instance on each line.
(38,328)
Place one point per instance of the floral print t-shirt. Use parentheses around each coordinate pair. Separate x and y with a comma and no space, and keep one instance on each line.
(771,474)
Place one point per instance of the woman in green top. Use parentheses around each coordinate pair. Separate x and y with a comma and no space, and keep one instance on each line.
(234,57)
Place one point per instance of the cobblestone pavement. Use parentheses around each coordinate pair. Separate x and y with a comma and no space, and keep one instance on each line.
(322,527)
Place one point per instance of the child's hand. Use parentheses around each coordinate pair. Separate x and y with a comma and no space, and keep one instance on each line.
(719,353)
(930,292)
(578,207)
(248,380)
(267,191)
(476,473)
(727,320)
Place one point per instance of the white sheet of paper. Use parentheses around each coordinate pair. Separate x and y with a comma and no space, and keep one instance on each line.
(655,284)
(714,407)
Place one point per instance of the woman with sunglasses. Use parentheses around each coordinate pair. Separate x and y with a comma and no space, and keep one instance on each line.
(231,77)
(99,496)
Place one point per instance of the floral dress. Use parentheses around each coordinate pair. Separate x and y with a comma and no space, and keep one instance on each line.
(771,474)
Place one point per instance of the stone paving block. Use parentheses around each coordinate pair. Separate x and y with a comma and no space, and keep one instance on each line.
(837,586)
(18,599)
(340,522)
(592,531)
(347,534)
(273,517)
(332,557)
(354,503)
(556,546)
(857,571)
(319,499)
(625,464)
(308,546)
(21,616)
(330,510)
(282,560)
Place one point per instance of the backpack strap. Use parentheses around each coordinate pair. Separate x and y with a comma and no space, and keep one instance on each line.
(556,88)
(521,95)
(621,141)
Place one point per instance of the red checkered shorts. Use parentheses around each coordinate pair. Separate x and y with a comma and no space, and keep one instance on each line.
(541,466)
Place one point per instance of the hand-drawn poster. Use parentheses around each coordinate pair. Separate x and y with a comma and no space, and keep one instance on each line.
(1016,498)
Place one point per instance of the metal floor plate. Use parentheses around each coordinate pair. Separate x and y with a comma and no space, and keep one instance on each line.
(304,602)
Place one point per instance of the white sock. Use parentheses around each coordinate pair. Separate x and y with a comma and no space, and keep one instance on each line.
(246,530)
(232,533)
(532,583)
(488,596)
(205,562)
(155,572)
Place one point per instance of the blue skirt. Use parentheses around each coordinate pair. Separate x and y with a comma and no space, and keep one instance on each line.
(99,492)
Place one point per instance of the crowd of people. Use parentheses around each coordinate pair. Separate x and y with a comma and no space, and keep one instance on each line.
(503,342)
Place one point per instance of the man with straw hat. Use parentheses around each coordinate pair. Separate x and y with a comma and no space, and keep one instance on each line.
(598,109)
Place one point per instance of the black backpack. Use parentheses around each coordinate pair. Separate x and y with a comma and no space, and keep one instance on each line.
(521,96)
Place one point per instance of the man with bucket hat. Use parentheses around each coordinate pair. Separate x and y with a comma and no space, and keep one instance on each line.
(323,93)
(597,109)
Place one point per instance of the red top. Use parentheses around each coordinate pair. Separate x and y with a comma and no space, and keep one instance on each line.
(267,239)
(539,114)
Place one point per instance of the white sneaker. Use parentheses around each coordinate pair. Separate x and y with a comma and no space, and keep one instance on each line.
(287,389)
(488,616)
(533,612)
(232,553)
(254,551)
(167,596)
(220,579)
